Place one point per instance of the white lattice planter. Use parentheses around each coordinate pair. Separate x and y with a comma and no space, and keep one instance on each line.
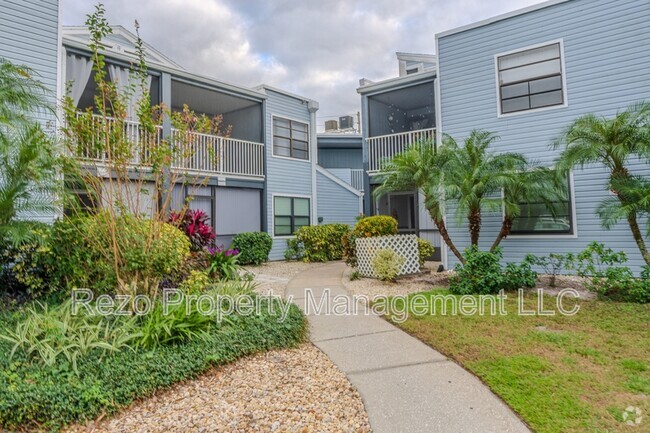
(403,245)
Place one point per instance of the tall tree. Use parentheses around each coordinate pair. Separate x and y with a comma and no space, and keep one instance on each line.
(613,142)
(421,168)
(475,176)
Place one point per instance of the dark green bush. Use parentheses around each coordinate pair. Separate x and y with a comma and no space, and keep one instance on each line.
(46,397)
(517,276)
(366,227)
(254,247)
(24,269)
(482,274)
(320,243)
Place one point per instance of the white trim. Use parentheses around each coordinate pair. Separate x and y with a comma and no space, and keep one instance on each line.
(338,181)
(265,87)
(309,143)
(273,196)
(501,17)
(574,220)
(565,97)
(397,83)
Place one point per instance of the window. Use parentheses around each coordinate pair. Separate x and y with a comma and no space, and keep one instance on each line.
(545,218)
(290,213)
(531,79)
(290,138)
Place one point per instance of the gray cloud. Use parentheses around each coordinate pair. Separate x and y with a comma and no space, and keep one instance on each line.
(315,48)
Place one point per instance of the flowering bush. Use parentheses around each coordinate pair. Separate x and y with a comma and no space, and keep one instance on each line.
(223,263)
(366,227)
(194,223)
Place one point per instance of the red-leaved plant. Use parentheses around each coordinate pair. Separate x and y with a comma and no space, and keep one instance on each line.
(194,223)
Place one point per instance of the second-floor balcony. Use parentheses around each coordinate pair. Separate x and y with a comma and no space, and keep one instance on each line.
(384,147)
(192,152)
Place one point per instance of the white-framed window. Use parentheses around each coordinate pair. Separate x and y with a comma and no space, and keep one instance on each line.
(290,138)
(543,218)
(289,214)
(531,79)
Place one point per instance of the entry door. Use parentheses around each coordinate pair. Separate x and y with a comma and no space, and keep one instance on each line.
(401,206)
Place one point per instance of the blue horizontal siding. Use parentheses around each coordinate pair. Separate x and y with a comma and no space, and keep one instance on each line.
(336,204)
(284,176)
(607,56)
(29,35)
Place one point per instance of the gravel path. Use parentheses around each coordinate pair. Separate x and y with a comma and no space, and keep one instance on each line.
(296,390)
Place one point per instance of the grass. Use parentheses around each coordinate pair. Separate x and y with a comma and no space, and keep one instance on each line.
(559,373)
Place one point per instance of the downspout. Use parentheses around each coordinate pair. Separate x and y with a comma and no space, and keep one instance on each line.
(166,100)
(313,108)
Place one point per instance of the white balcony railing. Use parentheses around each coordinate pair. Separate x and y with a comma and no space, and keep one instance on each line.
(194,152)
(385,147)
(205,153)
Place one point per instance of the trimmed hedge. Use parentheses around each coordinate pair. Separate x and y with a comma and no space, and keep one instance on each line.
(254,247)
(320,243)
(33,396)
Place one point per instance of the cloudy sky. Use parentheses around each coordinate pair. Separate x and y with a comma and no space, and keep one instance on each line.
(316,48)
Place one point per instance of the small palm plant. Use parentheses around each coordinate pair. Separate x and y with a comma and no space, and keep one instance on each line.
(613,142)
(27,156)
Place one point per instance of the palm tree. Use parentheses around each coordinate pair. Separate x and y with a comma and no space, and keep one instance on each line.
(613,142)
(421,168)
(531,185)
(474,177)
(27,156)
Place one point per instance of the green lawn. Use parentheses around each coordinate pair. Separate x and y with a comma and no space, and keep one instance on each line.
(559,373)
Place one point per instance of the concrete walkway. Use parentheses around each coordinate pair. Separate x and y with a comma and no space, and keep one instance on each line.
(406,386)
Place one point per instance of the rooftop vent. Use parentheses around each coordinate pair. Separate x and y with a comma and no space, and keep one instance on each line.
(331,125)
(346,122)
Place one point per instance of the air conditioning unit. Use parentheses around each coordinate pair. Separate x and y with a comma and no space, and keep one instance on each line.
(346,122)
(331,125)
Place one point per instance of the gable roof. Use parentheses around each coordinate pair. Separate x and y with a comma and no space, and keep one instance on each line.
(121,41)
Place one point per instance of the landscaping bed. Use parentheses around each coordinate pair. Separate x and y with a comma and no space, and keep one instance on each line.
(291,390)
(34,396)
(589,372)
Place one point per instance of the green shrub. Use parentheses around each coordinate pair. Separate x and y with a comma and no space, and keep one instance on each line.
(145,251)
(54,335)
(366,227)
(386,264)
(177,325)
(425,250)
(517,276)
(552,264)
(321,243)
(616,283)
(196,282)
(74,263)
(24,269)
(254,247)
(223,264)
(33,396)
(481,274)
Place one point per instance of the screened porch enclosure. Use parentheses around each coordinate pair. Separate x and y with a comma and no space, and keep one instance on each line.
(397,119)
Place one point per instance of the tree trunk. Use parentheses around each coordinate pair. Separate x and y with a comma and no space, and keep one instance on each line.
(638,237)
(474,220)
(442,228)
(506,226)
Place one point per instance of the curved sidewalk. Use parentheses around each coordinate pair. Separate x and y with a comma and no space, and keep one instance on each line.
(406,386)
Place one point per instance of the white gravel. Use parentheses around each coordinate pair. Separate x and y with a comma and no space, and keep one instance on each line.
(274,276)
(295,390)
